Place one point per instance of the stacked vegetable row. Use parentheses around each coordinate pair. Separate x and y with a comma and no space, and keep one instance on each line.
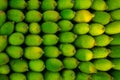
(59,40)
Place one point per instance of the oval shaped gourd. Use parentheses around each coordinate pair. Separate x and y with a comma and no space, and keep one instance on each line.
(116,39)
(2,17)
(3,5)
(7,28)
(113,28)
(3,42)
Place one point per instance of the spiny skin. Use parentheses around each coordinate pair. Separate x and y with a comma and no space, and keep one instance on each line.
(101,17)
(33,40)
(81,28)
(21,27)
(33,53)
(96,29)
(100,52)
(49,27)
(4,58)
(7,28)
(116,39)
(115,14)
(52,76)
(68,75)
(48,6)
(82,76)
(2,17)
(67,37)
(103,64)
(82,4)
(53,64)
(116,63)
(14,51)
(34,28)
(17,4)
(16,38)
(51,51)
(67,49)
(84,54)
(33,16)
(50,39)
(51,15)
(102,40)
(65,52)
(84,41)
(111,29)
(83,16)
(87,67)
(99,5)
(15,15)
(101,76)
(113,4)
(114,52)
(3,42)
(65,25)
(67,14)
(4,69)
(34,76)
(3,4)
(36,65)
(3,77)
(115,74)
(33,4)
(70,63)
(68,4)
(17,76)
(18,65)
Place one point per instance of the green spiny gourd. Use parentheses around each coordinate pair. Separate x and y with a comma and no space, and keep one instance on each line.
(15,51)
(17,76)
(3,42)
(114,52)
(21,27)
(2,17)
(70,63)
(34,75)
(7,28)
(33,52)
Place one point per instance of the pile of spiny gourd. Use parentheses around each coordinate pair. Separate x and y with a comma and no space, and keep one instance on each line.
(59,39)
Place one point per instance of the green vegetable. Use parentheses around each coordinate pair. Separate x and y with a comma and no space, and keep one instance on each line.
(53,64)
